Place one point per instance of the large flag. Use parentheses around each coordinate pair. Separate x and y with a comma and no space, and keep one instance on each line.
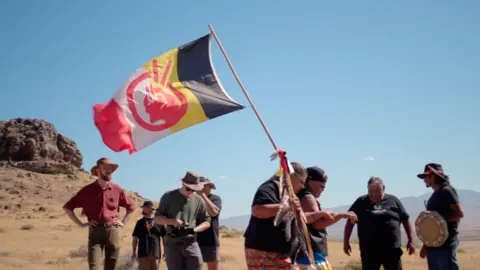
(171,92)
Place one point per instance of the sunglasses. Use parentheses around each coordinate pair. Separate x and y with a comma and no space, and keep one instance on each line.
(189,189)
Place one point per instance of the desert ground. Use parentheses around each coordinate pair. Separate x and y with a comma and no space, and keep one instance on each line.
(36,234)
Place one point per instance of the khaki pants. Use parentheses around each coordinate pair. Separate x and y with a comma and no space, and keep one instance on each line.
(148,263)
(103,239)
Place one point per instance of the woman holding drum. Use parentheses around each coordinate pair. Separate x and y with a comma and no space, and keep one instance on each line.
(437,227)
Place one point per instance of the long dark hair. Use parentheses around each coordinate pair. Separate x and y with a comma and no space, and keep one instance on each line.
(444,181)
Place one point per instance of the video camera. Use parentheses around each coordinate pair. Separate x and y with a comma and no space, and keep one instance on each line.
(182,231)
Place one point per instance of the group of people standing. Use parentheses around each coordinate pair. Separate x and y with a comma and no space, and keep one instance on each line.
(186,221)
(378,215)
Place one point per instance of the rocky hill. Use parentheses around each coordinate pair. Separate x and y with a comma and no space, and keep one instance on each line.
(40,169)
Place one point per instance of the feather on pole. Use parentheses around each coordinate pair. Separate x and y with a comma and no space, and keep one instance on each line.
(286,211)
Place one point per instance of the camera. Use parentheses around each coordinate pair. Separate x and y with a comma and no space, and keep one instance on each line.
(182,231)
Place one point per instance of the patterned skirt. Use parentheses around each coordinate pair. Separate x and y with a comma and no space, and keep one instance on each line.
(263,260)
(321,262)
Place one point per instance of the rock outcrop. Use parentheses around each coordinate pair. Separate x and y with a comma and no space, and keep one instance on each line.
(35,145)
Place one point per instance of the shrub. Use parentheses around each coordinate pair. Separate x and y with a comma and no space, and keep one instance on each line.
(27,227)
(353,265)
(81,252)
(231,234)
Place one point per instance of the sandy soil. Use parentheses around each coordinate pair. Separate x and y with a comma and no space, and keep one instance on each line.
(36,234)
(56,244)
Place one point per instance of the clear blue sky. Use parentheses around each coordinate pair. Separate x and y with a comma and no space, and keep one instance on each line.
(394,80)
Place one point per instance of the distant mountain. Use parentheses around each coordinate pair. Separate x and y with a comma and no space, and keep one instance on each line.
(469,226)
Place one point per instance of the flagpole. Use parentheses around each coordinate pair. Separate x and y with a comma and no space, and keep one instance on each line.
(301,215)
(243,87)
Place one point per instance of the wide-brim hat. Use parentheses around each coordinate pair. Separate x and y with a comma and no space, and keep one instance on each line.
(433,168)
(207,181)
(148,204)
(192,181)
(103,161)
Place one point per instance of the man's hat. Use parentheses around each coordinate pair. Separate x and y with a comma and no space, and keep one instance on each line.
(192,181)
(207,181)
(148,204)
(433,168)
(316,174)
(103,161)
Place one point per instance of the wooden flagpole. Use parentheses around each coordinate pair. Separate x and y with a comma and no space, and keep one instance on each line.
(300,215)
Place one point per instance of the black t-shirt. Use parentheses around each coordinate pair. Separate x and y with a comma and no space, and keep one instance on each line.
(318,236)
(148,234)
(441,201)
(379,224)
(210,236)
(261,234)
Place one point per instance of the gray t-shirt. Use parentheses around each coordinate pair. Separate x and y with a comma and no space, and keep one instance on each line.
(191,210)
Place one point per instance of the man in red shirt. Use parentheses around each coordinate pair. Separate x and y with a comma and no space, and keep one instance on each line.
(101,201)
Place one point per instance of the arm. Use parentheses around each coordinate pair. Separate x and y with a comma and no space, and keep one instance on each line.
(323,223)
(74,202)
(126,203)
(313,213)
(213,207)
(457,213)
(265,210)
(264,204)
(203,217)
(356,206)
(135,235)
(408,230)
(348,231)
(202,227)
(134,245)
(405,219)
(161,213)
(73,217)
(455,207)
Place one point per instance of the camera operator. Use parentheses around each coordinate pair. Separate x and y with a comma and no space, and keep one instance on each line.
(180,210)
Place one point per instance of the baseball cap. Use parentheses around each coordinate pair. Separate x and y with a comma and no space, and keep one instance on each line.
(316,174)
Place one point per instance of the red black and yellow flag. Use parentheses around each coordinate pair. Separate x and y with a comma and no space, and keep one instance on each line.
(171,92)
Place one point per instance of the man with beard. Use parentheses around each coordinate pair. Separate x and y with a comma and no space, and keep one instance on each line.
(146,235)
(101,201)
(209,239)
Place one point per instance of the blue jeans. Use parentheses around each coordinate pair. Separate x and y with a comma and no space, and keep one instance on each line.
(442,258)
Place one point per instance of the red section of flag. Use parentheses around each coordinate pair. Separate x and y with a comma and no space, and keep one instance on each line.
(114,128)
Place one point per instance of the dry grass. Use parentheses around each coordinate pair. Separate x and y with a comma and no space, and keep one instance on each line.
(47,248)
(41,237)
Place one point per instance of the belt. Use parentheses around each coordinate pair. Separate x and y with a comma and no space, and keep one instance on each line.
(185,240)
(105,225)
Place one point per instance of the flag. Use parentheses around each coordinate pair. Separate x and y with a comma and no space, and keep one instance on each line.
(169,93)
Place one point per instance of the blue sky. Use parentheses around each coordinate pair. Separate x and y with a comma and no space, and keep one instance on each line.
(337,84)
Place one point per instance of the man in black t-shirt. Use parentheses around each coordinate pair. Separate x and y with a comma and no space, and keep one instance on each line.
(147,235)
(208,240)
(445,202)
(268,246)
(379,218)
